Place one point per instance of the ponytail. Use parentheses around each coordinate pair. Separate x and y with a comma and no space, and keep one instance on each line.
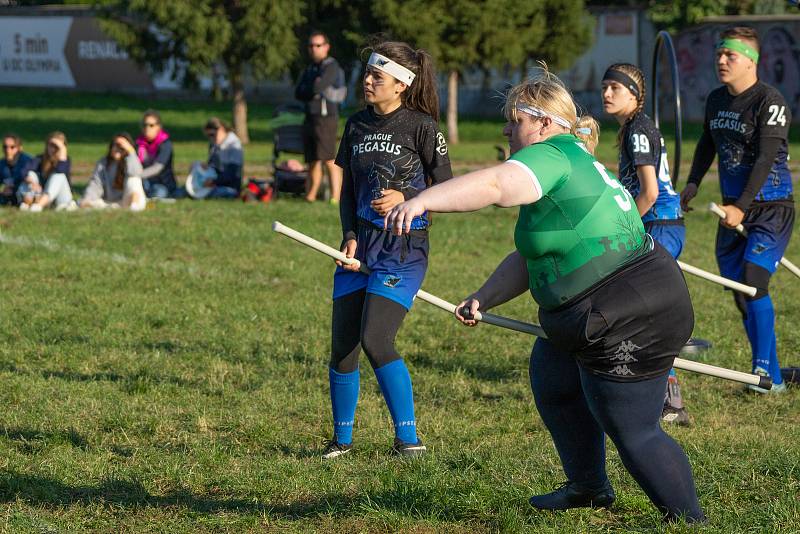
(423,95)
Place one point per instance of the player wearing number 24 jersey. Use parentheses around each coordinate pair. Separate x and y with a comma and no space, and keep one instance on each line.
(747,127)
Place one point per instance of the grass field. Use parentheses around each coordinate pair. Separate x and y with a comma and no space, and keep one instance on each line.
(166,372)
(89,120)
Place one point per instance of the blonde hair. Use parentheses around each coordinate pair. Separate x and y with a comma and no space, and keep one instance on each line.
(588,131)
(545,91)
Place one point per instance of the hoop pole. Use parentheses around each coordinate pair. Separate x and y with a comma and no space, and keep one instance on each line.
(663,39)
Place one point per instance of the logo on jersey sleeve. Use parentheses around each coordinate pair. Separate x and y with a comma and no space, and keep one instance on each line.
(441,144)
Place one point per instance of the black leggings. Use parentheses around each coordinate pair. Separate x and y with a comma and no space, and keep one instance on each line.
(368,321)
(579,407)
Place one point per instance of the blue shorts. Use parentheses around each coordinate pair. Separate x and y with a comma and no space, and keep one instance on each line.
(398,265)
(670,234)
(769,228)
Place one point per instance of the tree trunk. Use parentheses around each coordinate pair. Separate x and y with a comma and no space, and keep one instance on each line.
(452,107)
(239,108)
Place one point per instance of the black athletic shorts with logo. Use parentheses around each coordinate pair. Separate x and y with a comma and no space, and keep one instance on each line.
(632,325)
(319,137)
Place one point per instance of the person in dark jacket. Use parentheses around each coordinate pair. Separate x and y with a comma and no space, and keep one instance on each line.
(321,87)
(13,168)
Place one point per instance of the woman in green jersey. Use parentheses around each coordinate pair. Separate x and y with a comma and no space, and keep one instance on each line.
(604,291)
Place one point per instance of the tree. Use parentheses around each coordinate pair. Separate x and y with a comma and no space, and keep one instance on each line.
(680,14)
(347,23)
(189,37)
(488,34)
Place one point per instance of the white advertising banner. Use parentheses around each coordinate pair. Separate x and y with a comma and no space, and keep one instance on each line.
(71,52)
(32,51)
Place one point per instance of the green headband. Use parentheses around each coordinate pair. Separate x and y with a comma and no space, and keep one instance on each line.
(737,45)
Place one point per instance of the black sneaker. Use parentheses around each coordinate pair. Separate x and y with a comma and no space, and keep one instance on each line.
(574,495)
(401,448)
(675,416)
(335,449)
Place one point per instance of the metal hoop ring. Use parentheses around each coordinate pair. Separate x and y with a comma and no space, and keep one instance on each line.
(663,39)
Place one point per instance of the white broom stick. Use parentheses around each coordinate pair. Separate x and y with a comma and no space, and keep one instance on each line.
(736,286)
(794,269)
(519,326)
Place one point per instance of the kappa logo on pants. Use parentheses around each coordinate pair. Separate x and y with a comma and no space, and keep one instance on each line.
(391,280)
(621,370)
(623,353)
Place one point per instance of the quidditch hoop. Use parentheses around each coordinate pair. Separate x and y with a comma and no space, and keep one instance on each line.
(663,39)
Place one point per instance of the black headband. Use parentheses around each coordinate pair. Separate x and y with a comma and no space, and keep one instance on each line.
(618,76)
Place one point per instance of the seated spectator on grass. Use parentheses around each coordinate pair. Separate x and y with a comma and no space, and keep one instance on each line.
(154,149)
(117,178)
(47,183)
(222,174)
(13,168)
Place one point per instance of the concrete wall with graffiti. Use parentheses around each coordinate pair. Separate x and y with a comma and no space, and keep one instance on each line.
(779,63)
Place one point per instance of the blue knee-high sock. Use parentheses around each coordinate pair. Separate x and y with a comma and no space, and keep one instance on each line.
(344,397)
(774,365)
(395,383)
(761,331)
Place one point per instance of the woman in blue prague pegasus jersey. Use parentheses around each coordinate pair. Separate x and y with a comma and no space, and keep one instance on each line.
(644,171)
(390,151)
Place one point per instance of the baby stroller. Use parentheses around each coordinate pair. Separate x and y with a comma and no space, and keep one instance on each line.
(289,176)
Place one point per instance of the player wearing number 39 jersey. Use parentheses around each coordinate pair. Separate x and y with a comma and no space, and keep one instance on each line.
(747,127)
(608,297)
(644,172)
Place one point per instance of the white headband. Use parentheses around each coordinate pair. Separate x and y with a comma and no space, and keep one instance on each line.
(584,131)
(536,112)
(384,64)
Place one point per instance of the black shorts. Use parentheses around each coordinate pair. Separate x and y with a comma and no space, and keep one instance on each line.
(319,137)
(632,326)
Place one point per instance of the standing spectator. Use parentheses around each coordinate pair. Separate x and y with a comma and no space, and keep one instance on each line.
(13,167)
(644,172)
(225,157)
(155,153)
(116,180)
(47,179)
(322,88)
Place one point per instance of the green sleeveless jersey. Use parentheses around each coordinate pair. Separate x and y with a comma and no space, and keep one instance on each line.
(585,226)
